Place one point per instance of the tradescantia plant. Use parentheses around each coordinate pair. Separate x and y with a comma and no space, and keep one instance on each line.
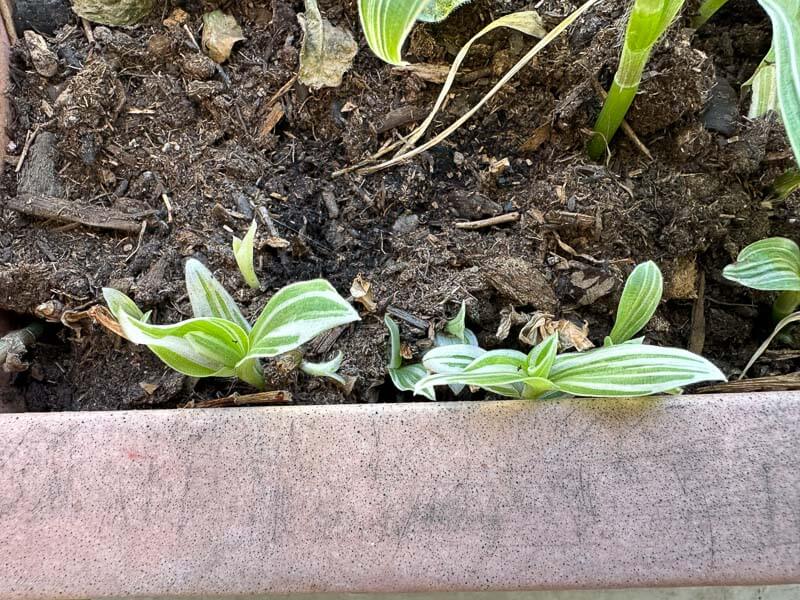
(648,21)
(771,265)
(622,367)
(387,23)
(220,342)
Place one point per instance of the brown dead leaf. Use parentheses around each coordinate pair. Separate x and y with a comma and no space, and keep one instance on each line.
(175,18)
(279,243)
(361,290)
(220,33)
(149,388)
(542,325)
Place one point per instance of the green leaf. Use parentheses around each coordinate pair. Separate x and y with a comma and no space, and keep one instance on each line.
(764,88)
(386,25)
(630,370)
(452,358)
(638,303)
(439,10)
(395,357)
(499,371)
(542,357)
(456,326)
(207,296)
(325,369)
(243,251)
(407,379)
(785,17)
(296,314)
(772,265)
(203,347)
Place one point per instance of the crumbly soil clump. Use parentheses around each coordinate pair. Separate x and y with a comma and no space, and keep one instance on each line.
(143,127)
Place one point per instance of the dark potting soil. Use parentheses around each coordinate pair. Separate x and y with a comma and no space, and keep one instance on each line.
(143,128)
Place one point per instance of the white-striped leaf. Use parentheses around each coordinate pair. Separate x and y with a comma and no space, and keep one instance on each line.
(630,370)
(638,303)
(453,358)
(542,357)
(207,296)
(763,86)
(296,314)
(207,347)
(438,10)
(395,357)
(407,379)
(772,265)
(499,371)
(243,252)
(327,369)
(785,17)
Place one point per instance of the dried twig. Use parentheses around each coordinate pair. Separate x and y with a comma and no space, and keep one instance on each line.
(407,317)
(773,383)
(60,209)
(498,220)
(260,398)
(14,344)
(8,21)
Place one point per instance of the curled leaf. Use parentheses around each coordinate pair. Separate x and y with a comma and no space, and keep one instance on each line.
(220,33)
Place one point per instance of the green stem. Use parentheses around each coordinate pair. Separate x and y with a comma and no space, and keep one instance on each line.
(785,304)
(250,372)
(616,106)
(706,11)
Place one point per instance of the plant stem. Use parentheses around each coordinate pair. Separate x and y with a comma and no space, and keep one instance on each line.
(250,372)
(616,106)
(787,183)
(706,11)
(785,304)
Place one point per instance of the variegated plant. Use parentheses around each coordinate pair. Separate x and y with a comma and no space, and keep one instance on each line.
(622,367)
(387,23)
(220,342)
(771,265)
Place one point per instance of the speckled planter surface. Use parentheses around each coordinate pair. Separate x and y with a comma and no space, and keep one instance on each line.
(4,58)
(408,497)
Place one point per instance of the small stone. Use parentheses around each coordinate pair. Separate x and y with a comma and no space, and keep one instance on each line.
(405,224)
(44,60)
(198,66)
(722,111)
(329,199)
(103,35)
(521,282)
(159,45)
(202,90)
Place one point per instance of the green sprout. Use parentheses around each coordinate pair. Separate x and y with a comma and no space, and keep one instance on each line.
(623,367)
(387,23)
(648,21)
(243,251)
(327,369)
(770,265)
(708,9)
(219,341)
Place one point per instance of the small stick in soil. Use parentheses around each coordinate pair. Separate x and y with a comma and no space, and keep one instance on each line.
(168,205)
(8,20)
(29,139)
(15,343)
(284,88)
(260,398)
(697,337)
(626,128)
(772,383)
(407,317)
(483,223)
(87,29)
(60,209)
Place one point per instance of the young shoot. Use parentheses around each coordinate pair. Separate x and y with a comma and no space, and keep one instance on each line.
(218,341)
(326,369)
(387,23)
(648,21)
(770,265)
(243,251)
(623,367)
(708,8)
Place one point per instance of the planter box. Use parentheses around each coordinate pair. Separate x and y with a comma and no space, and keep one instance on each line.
(701,490)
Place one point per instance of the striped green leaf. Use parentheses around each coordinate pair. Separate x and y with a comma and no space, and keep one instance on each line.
(207,296)
(243,252)
(204,347)
(542,357)
(407,379)
(327,369)
(452,358)
(630,370)
(499,371)
(395,357)
(296,314)
(785,17)
(772,264)
(638,303)
(764,88)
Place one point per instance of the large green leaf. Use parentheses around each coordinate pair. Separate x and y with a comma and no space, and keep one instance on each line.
(638,303)
(296,314)
(207,296)
(785,17)
(386,25)
(772,265)
(204,347)
(630,370)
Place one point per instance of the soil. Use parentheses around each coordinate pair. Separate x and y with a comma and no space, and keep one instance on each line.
(142,129)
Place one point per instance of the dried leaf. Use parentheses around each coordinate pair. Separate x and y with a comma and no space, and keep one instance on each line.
(361,290)
(508,319)
(117,12)
(279,243)
(176,17)
(327,51)
(542,325)
(220,33)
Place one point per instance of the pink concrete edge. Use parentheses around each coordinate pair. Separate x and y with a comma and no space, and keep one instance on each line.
(700,490)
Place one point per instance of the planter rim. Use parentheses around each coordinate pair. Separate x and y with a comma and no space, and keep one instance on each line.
(506,495)
(5,47)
